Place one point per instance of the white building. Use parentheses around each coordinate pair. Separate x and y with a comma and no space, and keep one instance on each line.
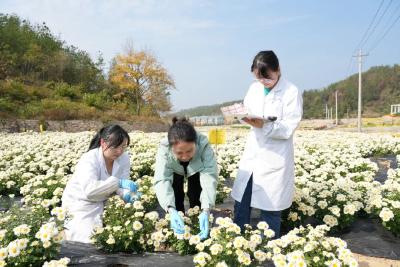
(207,120)
(395,109)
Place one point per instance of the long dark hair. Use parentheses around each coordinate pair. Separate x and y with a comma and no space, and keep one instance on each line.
(113,134)
(181,130)
(263,62)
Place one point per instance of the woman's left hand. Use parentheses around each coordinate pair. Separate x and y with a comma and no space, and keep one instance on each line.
(257,123)
(204,225)
(128,184)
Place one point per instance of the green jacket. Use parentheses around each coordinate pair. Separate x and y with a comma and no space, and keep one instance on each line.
(203,161)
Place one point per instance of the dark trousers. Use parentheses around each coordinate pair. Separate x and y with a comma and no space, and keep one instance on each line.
(193,193)
(243,211)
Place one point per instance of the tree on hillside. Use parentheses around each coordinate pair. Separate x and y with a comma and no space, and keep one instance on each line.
(143,79)
(31,53)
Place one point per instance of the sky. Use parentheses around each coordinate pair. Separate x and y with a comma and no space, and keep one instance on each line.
(208,46)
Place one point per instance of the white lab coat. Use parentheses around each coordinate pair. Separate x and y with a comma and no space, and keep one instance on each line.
(269,153)
(87,190)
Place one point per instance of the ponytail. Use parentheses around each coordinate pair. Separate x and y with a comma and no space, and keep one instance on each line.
(181,131)
(95,143)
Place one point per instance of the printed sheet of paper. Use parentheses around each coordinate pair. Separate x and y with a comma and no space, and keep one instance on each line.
(238,111)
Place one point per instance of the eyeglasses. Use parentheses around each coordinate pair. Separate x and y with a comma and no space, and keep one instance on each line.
(121,147)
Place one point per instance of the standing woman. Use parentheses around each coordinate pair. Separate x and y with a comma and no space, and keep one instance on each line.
(265,178)
(186,155)
(99,173)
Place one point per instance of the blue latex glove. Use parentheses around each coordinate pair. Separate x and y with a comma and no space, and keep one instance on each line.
(128,198)
(137,197)
(177,223)
(204,225)
(128,184)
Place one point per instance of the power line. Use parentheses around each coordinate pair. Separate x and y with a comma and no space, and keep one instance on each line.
(370,25)
(376,25)
(387,30)
(350,64)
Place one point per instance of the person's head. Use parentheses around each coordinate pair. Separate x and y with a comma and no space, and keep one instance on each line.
(266,68)
(182,139)
(112,139)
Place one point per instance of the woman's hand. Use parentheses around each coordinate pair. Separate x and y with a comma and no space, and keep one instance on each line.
(128,184)
(204,225)
(257,123)
(177,224)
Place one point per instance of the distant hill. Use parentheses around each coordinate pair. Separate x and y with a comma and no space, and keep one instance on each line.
(204,110)
(381,88)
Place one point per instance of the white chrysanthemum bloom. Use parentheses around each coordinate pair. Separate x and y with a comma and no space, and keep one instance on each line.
(276,250)
(257,239)
(322,204)
(386,214)
(260,255)
(308,247)
(60,263)
(153,215)
(221,264)
(22,229)
(187,235)
(200,247)
(238,242)
(334,263)
(244,258)
(269,233)
(59,212)
(110,240)
(216,249)
(214,232)
(335,210)
(138,205)
(349,209)
(46,244)
(13,250)
(22,243)
(330,220)
(201,258)
(262,225)
(3,253)
(137,225)
(194,240)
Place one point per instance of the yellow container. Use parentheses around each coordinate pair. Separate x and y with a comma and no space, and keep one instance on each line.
(217,136)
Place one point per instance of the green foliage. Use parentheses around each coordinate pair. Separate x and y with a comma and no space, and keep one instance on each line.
(42,77)
(65,90)
(381,88)
(99,100)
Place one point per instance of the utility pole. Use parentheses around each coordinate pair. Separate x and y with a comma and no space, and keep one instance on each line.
(336,107)
(359,56)
(326,112)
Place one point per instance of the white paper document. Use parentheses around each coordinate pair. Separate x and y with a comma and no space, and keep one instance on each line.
(239,111)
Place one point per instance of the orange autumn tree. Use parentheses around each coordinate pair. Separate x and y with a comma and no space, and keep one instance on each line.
(139,76)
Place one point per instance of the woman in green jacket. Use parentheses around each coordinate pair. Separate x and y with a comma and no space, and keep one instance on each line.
(186,154)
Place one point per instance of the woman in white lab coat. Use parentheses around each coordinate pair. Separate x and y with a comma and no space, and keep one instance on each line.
(265,178)
(99,173)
